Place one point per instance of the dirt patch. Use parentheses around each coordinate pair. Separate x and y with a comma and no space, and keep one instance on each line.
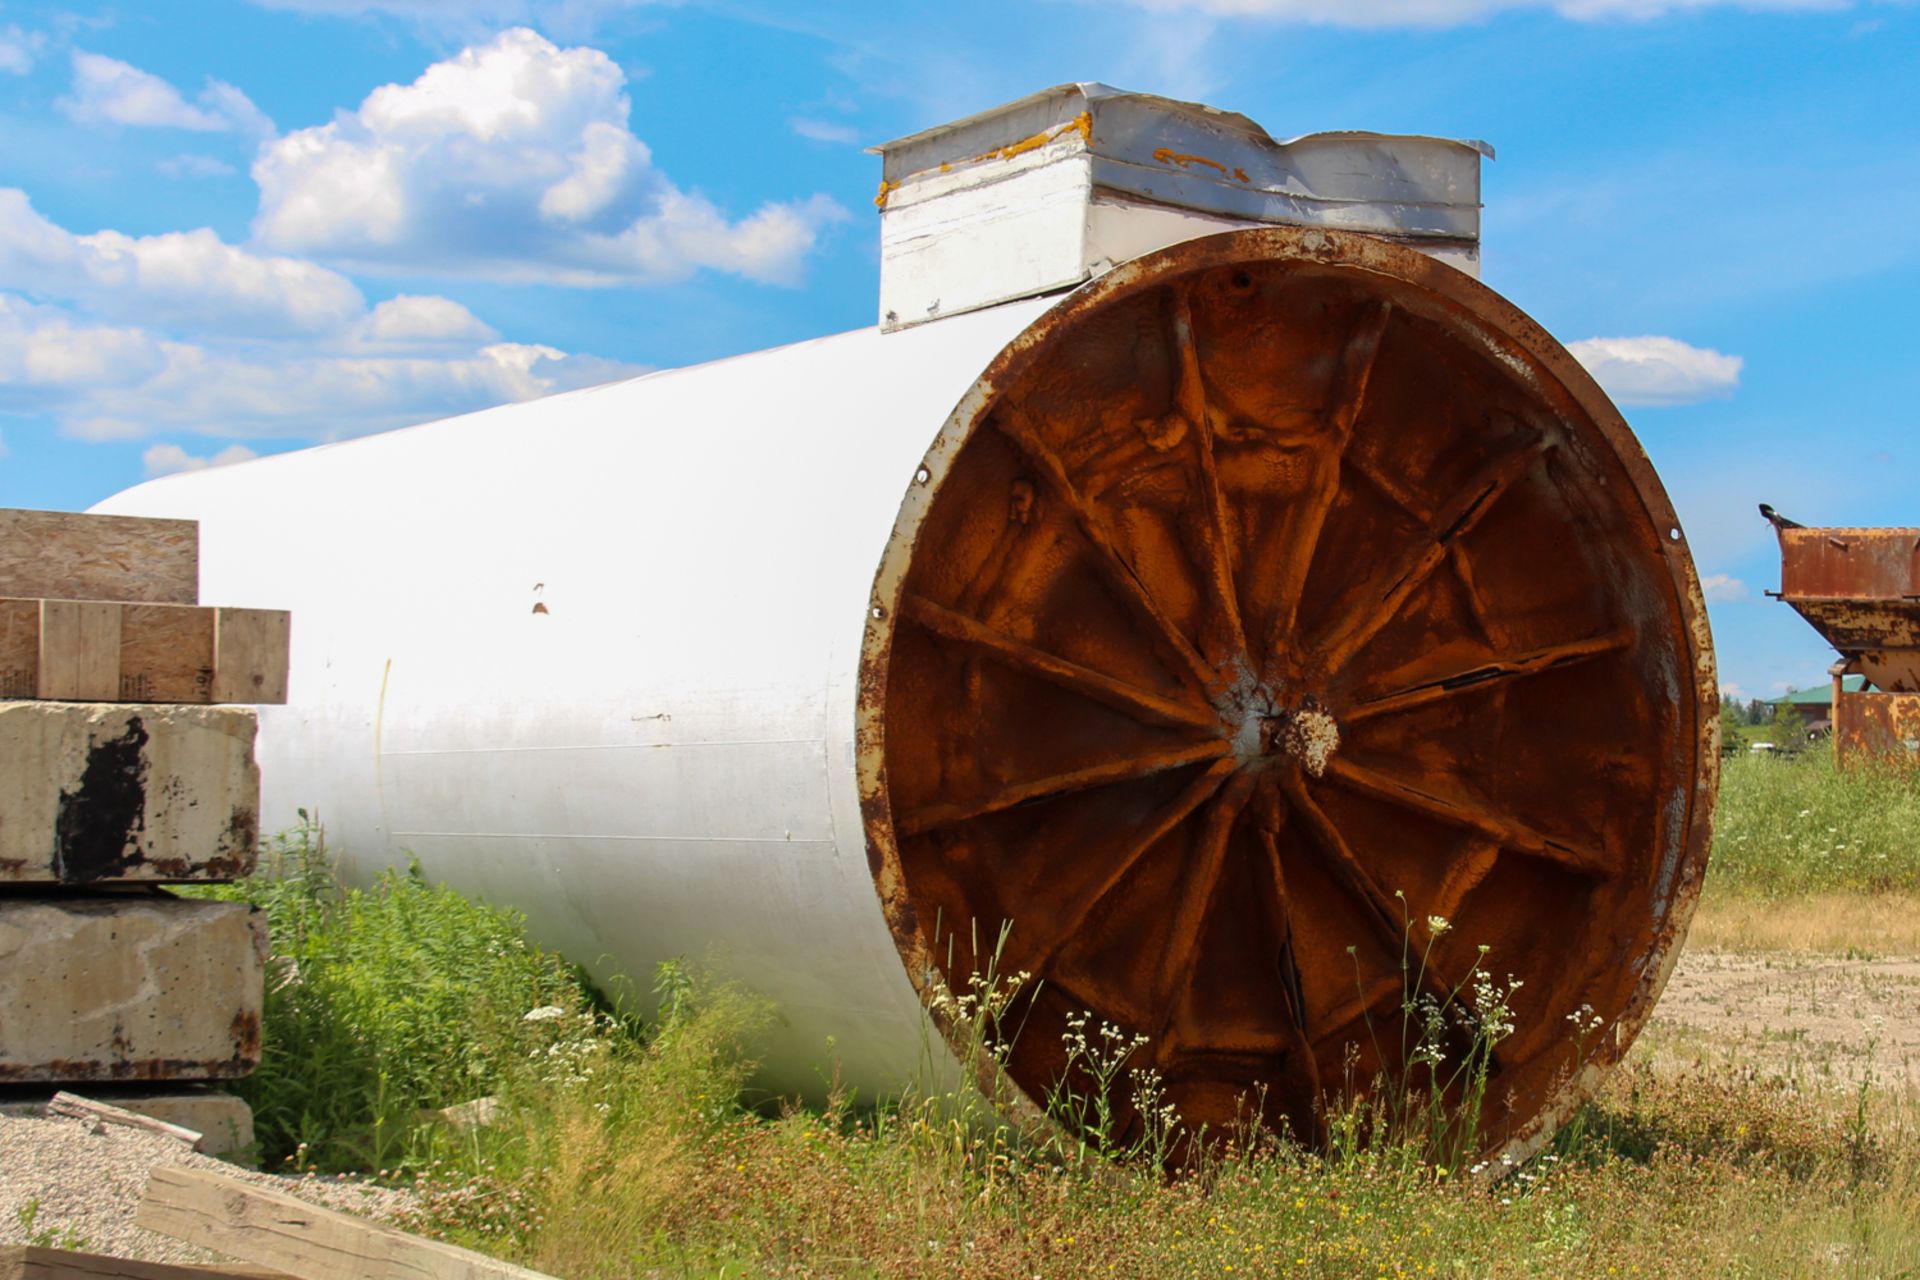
(1819,1018)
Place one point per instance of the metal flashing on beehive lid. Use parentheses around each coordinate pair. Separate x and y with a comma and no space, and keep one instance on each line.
(1049,191)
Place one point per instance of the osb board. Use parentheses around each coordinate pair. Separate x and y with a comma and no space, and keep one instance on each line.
(87,557)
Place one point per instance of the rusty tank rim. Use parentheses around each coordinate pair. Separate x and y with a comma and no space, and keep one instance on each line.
(1277,746)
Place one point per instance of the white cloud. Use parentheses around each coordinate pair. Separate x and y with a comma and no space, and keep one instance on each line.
(511,161)
(1722,588)
(189,165)
(125,337)
(237,109)
(1447,13)
(108,91)
(408,320)
(122,337)
(1732,689)
(825,131)
(165,459)
(18,49)
(44,351)
(1654,371)
(182,279)
(255,394)
(403,363)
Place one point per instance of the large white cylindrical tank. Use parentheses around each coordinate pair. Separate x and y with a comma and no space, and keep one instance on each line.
(594,656)
(1274,604)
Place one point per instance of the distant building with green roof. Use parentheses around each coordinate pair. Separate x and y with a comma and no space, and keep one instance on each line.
(1815,703)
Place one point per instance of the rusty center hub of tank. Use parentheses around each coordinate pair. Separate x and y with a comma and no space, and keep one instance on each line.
(1307,737)
(1278,607)
(1263,731)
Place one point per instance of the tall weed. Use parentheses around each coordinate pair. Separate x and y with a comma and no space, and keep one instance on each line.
(383,1002)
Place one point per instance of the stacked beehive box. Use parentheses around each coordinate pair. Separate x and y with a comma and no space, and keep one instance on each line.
(123,769)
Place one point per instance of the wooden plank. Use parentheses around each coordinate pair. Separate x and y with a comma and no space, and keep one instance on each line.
(35,1262)
(79,658)
(19,649)
(104,651)
(87,557)
(272,1229)
(76,1107)
(166,653)
(250,648)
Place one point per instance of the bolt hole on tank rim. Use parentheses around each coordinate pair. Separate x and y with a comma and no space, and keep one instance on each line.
(1272,594)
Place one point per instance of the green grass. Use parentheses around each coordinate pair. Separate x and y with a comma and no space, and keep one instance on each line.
(621,1150)
(1795,825)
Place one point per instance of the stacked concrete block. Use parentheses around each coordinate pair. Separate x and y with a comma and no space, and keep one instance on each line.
(122,771)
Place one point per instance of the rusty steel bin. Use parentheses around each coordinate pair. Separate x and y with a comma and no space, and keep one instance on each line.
(1259,600)
(1860,589)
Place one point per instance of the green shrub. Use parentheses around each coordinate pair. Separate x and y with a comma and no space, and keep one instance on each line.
(383,1002)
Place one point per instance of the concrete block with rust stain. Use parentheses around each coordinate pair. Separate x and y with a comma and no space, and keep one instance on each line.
(93,792)
(224,1122)
(129,988)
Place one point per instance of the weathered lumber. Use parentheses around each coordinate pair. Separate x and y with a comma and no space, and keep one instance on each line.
(271,1229)
(92,793)
(77,651)
(87,557)
(224,1122)
(75,1107)
(108,651)
(250,653)
(33,1262)
(128,987)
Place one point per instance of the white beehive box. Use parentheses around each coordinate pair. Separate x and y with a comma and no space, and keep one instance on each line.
(1044,193)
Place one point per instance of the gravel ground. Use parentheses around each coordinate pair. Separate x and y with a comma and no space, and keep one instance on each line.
(87,1186)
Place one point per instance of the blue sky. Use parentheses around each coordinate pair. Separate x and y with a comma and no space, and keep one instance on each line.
(238,228)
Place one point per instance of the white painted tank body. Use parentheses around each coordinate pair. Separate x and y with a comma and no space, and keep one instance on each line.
(658,759)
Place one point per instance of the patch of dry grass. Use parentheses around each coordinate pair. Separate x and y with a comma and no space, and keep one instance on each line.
(642,1162)
(1669,1175)
(1839,924)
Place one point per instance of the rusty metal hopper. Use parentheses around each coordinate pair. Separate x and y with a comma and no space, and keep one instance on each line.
(1860,589)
